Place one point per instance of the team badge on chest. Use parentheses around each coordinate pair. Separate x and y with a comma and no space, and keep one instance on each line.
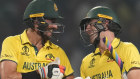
(25,51)
(50,57)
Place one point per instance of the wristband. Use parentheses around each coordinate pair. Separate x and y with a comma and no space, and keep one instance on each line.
(29,75)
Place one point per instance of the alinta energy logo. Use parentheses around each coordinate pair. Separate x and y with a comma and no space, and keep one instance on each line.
(50,57)
(25,51)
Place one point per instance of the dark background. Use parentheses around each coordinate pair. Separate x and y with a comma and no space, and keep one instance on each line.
(11,23)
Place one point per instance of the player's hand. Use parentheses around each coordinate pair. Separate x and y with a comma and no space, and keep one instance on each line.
(53,70)
(56,71)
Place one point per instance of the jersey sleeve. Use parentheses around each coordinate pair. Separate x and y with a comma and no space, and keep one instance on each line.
(132,58)
(65,62)
(9,51)
(82,70)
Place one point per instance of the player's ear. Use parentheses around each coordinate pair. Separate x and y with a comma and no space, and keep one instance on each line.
(35,23)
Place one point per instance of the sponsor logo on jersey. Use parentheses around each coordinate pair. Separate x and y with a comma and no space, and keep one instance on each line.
(6,55)
(135,62)
(25,51)
(104,75)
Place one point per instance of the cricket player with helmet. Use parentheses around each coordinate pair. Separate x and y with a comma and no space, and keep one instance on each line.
(32,55)
(112,58)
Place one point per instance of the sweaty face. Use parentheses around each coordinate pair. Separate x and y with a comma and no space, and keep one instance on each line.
(46,27)
(91,30)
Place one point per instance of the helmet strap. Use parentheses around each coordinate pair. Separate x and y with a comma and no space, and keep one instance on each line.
(42,24)
(97,40)
(99,24)
(43,39)
(41,27)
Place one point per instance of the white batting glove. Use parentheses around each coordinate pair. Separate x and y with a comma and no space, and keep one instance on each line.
(78,78)
(88,77)
(82,78)
(124,76)
(53,70)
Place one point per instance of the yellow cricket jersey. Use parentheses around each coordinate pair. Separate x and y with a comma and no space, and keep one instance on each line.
(19,49)
(103,66)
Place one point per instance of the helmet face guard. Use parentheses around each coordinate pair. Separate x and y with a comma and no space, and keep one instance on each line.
(40,11)
(86,37)
(44,26)
(100,13)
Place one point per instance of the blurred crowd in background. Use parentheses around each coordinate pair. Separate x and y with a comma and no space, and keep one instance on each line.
(11,23)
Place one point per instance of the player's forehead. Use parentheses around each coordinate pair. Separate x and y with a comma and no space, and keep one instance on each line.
(93,20)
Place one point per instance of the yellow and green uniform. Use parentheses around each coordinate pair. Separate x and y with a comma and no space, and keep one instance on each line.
(103,66)
(21,51)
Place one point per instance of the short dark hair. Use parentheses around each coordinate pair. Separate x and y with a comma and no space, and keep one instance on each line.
(29,23)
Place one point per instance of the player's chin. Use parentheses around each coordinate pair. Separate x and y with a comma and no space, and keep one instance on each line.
(48,34)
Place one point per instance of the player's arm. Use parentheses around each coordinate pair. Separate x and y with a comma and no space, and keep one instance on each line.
(8,70)
(8,60)
(0,70)
(132,62)
(134,73)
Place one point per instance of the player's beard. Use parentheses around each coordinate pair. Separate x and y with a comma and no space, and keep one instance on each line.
(45,36)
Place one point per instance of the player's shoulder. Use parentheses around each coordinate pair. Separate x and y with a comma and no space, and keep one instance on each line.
(12,38)
(87,57)
(127,44)
(90,55)
(56,47)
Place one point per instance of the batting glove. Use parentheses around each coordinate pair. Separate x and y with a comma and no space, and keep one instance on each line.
(82,78)
(52,71)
